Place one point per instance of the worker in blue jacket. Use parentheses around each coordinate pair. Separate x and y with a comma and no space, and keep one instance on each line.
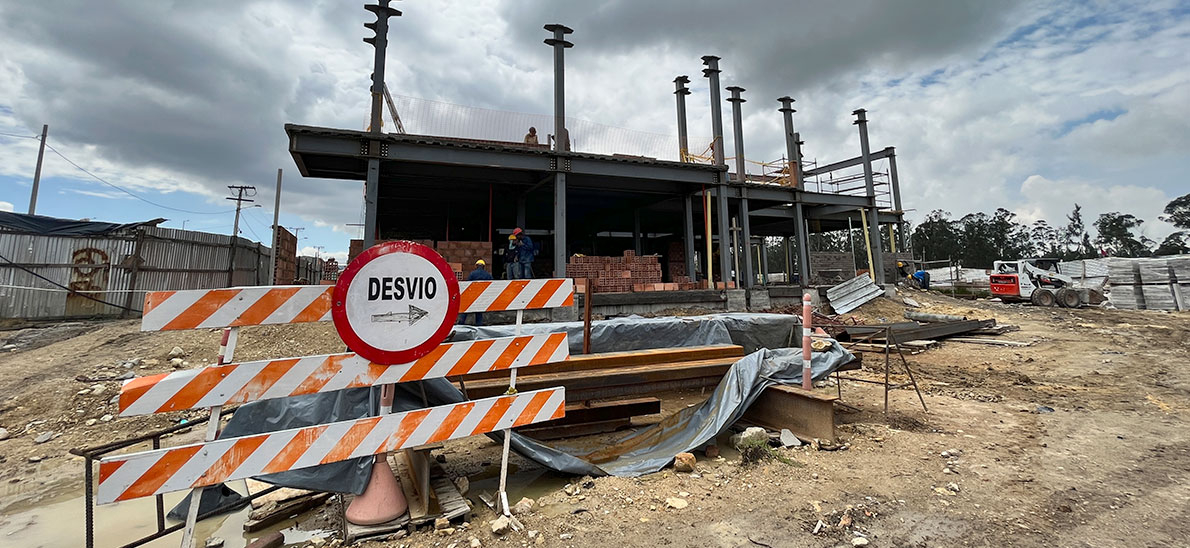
(479,274)
(526,252)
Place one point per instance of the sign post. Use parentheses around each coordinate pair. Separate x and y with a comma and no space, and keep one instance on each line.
(393,304)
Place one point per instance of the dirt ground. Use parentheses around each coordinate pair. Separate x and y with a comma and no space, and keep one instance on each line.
(1078,439)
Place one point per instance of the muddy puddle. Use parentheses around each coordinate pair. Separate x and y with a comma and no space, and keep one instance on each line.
(58,522)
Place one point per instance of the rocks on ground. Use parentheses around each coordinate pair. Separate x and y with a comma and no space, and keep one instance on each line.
(751,435)
(684,462)
(501,526)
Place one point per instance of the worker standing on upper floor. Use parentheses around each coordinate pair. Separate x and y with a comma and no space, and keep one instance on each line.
(531,137)
(526,252)
(479,274)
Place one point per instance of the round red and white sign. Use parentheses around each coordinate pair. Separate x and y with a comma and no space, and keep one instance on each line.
(395,302)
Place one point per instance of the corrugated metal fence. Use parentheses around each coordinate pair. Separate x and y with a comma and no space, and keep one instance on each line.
(117,269)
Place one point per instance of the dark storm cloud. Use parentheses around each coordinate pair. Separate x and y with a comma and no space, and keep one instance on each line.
(774,43)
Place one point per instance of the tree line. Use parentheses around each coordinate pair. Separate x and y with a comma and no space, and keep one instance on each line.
(977,239)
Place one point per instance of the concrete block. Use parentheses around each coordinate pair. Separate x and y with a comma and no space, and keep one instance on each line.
(758,299)
(737,300)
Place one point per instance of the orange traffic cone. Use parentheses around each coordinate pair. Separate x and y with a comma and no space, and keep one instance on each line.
(382,500)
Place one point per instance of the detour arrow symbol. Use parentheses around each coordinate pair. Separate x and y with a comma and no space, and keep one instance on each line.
(412,316)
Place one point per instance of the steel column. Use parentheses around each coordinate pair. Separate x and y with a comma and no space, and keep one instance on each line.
(737,121)
(803,244)
(711,72)
(371,197)
(681,91)
(560,225)
(559,43)
(520,211)
(896,192)
(791,148)
(877,265)
(689,236)
(636,231)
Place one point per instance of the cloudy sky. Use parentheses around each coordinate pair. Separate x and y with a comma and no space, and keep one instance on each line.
(1027,106)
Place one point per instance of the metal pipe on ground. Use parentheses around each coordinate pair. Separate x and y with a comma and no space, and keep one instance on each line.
(932,318)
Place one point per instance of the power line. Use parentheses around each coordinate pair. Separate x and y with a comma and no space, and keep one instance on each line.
(19,136)
(128,192)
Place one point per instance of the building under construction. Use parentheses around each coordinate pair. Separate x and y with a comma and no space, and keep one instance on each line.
(706,220)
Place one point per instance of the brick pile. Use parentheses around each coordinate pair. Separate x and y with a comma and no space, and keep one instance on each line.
(460,255)
(676,259)
(616,274)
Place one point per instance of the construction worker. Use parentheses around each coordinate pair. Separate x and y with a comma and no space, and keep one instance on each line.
(525,253)
(512,265)
(531,137)
(479,274)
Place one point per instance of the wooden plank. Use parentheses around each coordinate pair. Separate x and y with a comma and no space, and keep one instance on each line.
(584,412)
(608,383)
(415,494)
(609,360)
(992,342)
(808,415)
(264,518)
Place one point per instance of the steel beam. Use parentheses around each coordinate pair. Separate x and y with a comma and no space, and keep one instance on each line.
(896,192)
(851,162)
(809,415)
(681,91)
(560,225)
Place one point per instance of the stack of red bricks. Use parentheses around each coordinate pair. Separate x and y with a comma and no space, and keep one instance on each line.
(676,259)
(615,274)
(460,255)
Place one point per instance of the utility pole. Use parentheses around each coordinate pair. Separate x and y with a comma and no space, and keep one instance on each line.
(239,199)
(276,230)
(45,129)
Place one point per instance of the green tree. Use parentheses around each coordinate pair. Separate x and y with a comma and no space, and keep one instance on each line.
(1117,237)
(1177,212)
(937,237)
(1076,243)
(1046,239)
(1174,244)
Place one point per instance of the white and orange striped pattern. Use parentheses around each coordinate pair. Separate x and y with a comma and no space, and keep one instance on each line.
(261,380)
(124,477)
(497,295)
(236,306)
(240,306)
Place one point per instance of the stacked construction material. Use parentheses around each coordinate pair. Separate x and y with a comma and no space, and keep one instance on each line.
(616,274)
(676,262)
(460,255)
(1150,283)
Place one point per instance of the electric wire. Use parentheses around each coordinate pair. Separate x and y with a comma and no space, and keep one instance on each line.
(129,192)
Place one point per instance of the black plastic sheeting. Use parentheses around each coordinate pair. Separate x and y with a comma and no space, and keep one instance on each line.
(752,331)
(687,430)
(53,226)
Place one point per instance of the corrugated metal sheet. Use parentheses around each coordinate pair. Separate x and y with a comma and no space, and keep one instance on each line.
(852,294)
(104,267)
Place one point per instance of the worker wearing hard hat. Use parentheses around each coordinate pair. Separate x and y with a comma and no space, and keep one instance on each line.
(526,252)
(512,264)
(479,274)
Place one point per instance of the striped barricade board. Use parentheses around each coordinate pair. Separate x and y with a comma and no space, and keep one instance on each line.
(123,477)
(270,305)
(267,379)
(146,473)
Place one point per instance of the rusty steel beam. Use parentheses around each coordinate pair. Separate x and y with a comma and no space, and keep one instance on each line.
(808,415)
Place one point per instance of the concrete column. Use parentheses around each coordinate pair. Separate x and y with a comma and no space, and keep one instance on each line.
(636,231)
(902,240)
(803,243)
(689,236)
(792,150)
(560,225)
(877,265)
(681,91)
